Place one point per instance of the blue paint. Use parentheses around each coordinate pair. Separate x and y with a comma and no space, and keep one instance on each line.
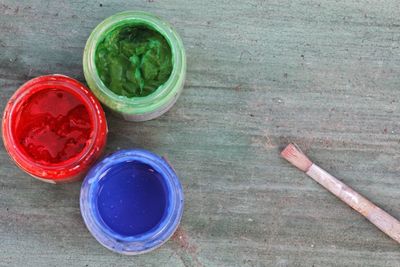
(131,198)
(132,201)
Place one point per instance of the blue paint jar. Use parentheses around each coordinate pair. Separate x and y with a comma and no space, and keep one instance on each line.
(132,201)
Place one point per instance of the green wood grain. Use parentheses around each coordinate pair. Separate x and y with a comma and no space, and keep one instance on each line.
(260,74)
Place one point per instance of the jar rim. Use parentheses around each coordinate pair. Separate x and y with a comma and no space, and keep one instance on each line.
(164,93)
(149,240)
(63,169)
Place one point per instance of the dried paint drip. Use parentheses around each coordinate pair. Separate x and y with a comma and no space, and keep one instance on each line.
(187,250)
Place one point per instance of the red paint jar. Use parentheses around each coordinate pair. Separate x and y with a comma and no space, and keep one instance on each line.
(54,128)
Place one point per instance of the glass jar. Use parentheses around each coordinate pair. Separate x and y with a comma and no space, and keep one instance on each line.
(54,128)
(145,107)
(132,201)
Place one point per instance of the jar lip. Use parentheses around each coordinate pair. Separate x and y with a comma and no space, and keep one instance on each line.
(148,240)
(63,169)
(165,91)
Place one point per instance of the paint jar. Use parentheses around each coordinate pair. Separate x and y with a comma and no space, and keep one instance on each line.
(135,108)
(132,201)
(54,128)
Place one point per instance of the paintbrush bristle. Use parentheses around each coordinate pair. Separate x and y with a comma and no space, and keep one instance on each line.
(295,156)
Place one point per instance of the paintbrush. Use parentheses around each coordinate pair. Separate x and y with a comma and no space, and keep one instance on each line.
(380,218)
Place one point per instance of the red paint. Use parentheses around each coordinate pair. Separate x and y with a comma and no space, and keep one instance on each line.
(54,128)
(52,133)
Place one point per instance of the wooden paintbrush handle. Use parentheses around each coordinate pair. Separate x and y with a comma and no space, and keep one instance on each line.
(373,213)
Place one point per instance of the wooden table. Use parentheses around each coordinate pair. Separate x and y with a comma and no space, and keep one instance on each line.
(325,74)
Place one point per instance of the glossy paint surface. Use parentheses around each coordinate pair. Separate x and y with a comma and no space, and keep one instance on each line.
(53,126)
(131,198)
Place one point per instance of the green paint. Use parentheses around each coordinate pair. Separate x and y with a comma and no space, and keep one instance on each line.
(136,108)
(133,61)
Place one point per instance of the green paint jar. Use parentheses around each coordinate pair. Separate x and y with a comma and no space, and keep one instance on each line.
(136,108)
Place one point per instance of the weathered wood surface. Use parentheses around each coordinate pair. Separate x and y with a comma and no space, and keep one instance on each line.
(260,73)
